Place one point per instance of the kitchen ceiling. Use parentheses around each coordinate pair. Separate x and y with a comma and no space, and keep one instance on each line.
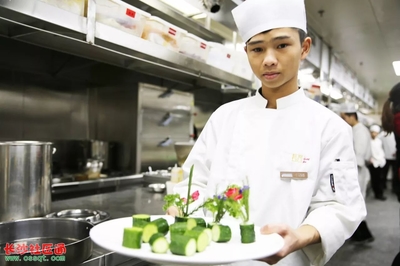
(365,34)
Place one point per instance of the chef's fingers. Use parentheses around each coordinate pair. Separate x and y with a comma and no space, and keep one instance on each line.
(280,229)
(271,260)
(173,211)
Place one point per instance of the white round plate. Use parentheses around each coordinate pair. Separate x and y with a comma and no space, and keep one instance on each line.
(109,235)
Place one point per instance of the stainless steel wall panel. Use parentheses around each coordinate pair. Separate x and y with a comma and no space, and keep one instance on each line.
(165,118)
(11,108)
(116,120)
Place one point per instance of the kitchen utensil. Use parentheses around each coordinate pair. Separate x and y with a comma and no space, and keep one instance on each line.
(51,232)
(109,235)
(91,216)
(25,179)
(158,188)
(93,168)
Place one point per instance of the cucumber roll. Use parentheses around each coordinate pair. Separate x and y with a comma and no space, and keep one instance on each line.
(178,228)
(221,233)
(139,218)
(162,225)
(183,245)
(139,223)
(247,233)
(159,243)
(210,225)
(132,237)
(200,222)
(148,231)
(180,219)
(206,230)
(191,223)
(201,238)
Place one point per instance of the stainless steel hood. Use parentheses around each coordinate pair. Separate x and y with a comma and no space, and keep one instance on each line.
(40,24)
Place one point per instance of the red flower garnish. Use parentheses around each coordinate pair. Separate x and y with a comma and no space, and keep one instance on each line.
(238,197)
(233,193)
(195,195)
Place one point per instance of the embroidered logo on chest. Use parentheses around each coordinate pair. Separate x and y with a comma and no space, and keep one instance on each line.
(298,158)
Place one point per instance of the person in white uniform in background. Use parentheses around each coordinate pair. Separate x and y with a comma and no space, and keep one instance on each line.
(378,161)
(277,131)
(389,146)
(362,147)
(362,143)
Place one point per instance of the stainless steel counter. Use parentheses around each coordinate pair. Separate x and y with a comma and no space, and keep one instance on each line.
(73,187)
(124,202)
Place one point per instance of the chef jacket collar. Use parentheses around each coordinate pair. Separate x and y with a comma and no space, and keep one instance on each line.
(283,102)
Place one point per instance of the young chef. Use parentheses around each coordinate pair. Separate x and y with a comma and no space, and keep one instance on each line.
(281,130)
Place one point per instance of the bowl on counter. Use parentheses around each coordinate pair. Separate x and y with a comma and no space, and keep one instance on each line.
(156,188)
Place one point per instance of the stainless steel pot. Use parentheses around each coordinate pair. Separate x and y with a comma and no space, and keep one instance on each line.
(55,233)
(25,179)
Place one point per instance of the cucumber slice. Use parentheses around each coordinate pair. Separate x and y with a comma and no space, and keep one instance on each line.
(148,231)
(201,238)
(183,245)
(206,230)
(140,218)
(162,225)
(132,237)
(221,233)
(191,223)
(178,228)
(180,219)
(139,223)
(159,243)
(247,233)
(200,222)
(210,225)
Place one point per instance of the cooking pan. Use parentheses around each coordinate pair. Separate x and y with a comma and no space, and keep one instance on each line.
(53,241)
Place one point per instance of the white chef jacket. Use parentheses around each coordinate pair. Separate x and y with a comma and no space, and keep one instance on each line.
(244,138)
(389,145)
(362,147)
(378,155)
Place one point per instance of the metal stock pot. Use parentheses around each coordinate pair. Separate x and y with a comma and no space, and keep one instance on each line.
(45,242)
(25,179)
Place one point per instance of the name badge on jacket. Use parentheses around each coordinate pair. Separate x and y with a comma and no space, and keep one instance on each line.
(294,175)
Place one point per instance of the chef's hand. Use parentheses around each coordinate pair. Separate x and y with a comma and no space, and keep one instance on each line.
(173,211)
(295,239)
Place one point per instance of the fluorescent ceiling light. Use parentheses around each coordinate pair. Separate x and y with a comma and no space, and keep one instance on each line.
(336,94)
(183,7)
(396,66)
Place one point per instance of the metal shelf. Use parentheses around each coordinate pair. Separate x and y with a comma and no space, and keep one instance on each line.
(44,25)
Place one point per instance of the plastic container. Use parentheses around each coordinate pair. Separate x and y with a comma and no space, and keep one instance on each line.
(120,15)
(75,6)
(242,66)
(220,57)
(190,46)
(195,47)
(176,174)
(163,33)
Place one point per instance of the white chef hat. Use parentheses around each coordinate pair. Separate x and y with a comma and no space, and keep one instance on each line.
(256,16)
(375,128)
(348,108)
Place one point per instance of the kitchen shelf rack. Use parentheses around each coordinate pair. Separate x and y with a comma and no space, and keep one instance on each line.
(44,25)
